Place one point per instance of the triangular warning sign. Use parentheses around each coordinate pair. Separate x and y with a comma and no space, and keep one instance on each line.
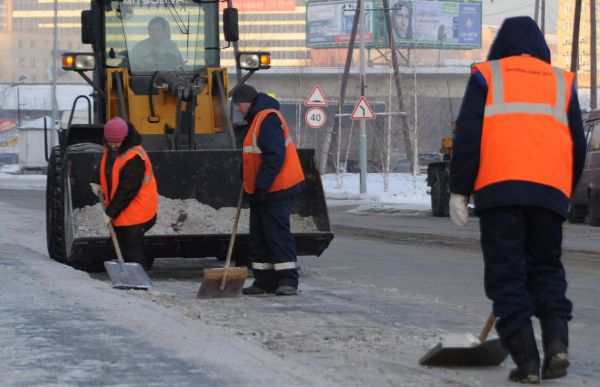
(362,111)
(316,97)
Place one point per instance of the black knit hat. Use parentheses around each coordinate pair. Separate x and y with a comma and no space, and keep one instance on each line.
(244,93)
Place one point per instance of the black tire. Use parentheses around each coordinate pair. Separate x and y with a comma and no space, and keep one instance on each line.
(440,193)
(55,208)
(577,213)
(594,208)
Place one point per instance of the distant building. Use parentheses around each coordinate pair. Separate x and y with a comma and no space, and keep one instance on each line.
(26,28)
(564,33)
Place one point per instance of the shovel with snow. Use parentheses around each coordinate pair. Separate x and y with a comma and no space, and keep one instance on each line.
(228,281)
(124,275)
(467,350)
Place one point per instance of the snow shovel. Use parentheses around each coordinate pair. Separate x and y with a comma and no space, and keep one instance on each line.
(124,275)
(226,282)
(467,350)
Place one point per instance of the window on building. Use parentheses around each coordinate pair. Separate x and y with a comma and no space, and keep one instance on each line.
(568,25)
(568,8)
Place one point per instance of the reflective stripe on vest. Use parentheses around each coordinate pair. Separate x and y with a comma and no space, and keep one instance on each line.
(144,205)
(501,107)
(291,171)
(525,135)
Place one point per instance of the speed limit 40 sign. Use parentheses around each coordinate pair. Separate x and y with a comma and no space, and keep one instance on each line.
(315,117)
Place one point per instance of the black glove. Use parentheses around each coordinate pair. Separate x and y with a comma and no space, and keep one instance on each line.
(259,196)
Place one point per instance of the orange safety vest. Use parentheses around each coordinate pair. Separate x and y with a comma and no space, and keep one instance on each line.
(144,205)
(526,134)
(291,171)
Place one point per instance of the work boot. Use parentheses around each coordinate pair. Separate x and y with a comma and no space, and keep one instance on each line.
(555,340)
(524,352)
(286,290)
(254,290)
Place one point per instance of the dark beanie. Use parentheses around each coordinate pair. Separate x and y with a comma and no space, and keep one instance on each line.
(244,93)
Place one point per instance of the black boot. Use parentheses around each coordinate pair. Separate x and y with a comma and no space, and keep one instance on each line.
(524,352)
(555,339)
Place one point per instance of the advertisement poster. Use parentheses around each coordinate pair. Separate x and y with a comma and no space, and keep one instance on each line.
(415,23)
(329,24)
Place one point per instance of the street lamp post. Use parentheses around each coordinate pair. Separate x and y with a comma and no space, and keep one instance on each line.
(21,78)
(18,107)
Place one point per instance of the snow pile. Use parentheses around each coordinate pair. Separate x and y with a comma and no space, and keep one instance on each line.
(460,340)
(176,216)
(403,188)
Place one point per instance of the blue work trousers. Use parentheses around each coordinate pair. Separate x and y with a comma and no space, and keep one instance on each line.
(523,272)
(272,246)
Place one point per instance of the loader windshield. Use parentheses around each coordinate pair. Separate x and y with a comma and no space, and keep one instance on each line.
(161,35)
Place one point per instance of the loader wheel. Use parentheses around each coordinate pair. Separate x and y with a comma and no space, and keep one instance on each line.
(55,208)
(594,208)
(440,193)
(577,213)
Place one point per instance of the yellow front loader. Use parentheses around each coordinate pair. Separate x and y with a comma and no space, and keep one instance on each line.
(173,89)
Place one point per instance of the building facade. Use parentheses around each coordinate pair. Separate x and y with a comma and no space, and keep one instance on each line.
(564,34)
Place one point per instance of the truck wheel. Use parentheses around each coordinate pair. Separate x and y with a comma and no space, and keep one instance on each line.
(55,209)
(440,194)
(594,208)
(577,213)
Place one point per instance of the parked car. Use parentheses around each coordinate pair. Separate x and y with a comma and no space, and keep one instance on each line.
(585,201)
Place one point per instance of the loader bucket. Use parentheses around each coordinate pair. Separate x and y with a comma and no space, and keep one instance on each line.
(212,177)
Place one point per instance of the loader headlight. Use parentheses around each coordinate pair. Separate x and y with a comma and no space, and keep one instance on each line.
(254,60)
(78,62)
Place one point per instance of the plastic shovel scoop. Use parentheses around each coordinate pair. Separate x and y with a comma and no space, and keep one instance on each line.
(228,281)
(466,350)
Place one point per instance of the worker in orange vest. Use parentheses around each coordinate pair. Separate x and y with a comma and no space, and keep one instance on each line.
(520,148)
(128,184)
(271,176)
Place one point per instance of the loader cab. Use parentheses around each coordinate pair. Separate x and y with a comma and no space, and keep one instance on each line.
(146,37)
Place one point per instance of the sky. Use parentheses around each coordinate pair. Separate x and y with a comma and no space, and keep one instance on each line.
(497,10)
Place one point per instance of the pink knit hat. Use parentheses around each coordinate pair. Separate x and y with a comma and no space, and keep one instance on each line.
(116,129)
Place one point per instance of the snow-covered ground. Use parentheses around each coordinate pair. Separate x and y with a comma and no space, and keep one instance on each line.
(11,178)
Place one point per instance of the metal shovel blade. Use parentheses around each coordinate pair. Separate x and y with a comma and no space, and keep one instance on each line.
(487,354)
(127,275)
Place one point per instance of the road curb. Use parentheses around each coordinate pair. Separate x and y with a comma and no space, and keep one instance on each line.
(442,240)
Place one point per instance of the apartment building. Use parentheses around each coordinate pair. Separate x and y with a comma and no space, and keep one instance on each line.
(26,31)
(564,34)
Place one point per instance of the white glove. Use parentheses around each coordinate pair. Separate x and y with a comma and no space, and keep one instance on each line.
(96,189)
(459,214)
(107,219)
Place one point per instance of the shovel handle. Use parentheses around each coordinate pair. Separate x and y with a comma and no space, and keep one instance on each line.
(232,239)
(113,236)
(111,229)
(487,327)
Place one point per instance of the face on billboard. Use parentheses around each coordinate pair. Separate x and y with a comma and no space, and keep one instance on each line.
(402,21)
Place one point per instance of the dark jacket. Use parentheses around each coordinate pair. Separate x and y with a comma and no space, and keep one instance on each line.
(519,35)
(271,142)
(130,177)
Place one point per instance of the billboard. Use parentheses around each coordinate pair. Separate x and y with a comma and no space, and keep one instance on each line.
(451,24)
(329,24)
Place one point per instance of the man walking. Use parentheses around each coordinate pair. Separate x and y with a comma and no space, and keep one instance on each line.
(272,175)
(520,148)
